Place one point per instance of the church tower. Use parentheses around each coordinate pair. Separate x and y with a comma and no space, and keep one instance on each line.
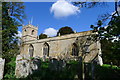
(29,32)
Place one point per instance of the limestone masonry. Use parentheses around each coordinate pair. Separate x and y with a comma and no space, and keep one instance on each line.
(78,46)
(66,46)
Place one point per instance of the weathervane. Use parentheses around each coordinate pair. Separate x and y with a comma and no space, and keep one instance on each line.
(30,22)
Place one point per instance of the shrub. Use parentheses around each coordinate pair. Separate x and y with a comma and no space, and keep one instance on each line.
(10,69)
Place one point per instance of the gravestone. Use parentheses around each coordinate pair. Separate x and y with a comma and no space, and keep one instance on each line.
(22,66)
(54,64)
(2,64)
(35,65)
(26,66)
(44,58)
(61,64)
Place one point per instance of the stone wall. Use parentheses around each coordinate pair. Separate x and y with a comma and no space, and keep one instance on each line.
(26,66)
(29,32)
(57,45)
(60,47)
(2,64)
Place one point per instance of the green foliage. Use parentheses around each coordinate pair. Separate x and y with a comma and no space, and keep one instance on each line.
(72,68)
(42,36)
(10,72)
(46,73)
(111,51)
(73,62)
(111,66)
(45,65)
(106,72)
(65,30)
(12,17)
(107,35)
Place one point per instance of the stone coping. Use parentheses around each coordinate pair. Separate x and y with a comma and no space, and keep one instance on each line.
(63,37)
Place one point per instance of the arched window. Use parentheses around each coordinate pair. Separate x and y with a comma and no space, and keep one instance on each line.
(31,50)
(24,33)
(46,49)
(74,50)
(32,32)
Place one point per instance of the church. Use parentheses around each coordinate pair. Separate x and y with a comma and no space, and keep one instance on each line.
(74,45)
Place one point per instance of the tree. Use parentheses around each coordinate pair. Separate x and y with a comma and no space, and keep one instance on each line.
(65,30)
(88,4)
(12,17)
(110,48)
(42,36)
(103,17)
(111,51)
(113,32)
(0,29)
(110,39)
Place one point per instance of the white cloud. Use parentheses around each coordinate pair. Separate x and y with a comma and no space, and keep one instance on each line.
(50,32)
(19,34)
(62,8)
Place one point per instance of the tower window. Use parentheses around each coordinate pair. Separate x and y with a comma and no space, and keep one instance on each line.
(25,30)
(32,32)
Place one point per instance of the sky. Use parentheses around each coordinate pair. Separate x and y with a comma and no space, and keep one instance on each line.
(51,16)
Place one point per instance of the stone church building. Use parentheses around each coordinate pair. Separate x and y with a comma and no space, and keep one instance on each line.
(65,46)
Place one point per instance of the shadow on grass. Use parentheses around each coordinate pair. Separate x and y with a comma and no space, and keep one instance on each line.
(107,72)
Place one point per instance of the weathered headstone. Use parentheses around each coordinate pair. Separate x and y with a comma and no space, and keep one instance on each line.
(22,66)
(35,65)
(26,66)
(2,63)
(44,58)
(54,64)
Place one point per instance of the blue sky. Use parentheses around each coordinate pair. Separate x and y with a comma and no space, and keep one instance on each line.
(80,21)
